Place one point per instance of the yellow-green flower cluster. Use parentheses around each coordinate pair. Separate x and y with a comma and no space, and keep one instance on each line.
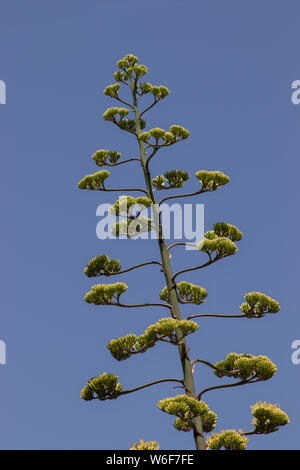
(187,292)
(211,180)
(174,178)
(258,304)
(159,92)
(102,266)
(130,67)
(221,246)
(175,134)
(111,113)
(94,181)
(268,417)
(103,387)
(103,157)
(222,229)
(166,328)
(105,294)
(112,90)
(229,440)
(246,367)
(186,408)
(148,445)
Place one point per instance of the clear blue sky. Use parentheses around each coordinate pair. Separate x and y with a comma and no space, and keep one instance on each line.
(229,65)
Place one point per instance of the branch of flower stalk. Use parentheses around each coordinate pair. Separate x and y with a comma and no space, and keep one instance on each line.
(155,149)
(149,107)
(124,102)
(181,243)
(182,195)
(148,304)
(125,392)
(242,382)
(211,261)
(130,269)
(212,366)
(215,315)
(123,189)
(124,161)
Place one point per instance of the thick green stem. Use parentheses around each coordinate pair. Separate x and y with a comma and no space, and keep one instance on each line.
(189,384)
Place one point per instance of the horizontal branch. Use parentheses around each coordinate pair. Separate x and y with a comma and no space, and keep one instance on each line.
(141,387)
(194,268)
(215,315)
(130,269)
(242,382)
(124,161)
(217,369)
(150,384)
(182,244)
(147,304)
(181,195)
(124,189)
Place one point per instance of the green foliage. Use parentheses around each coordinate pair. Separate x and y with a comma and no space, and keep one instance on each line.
(258,304)
(104,157)
(268,417)
(94,181)
(186,408)
(211,180)
(187,292)
(166,328)
(102,266)
(219,246)
(229,440)
(105,294)
(174,178)
(103,387)
(148,445)
(246,367)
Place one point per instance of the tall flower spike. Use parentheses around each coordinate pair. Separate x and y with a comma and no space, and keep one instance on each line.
(246,367)
(103,387)
(105,294)
(268,417)
(186,408)
(229,440)
(258,304)
(94,181)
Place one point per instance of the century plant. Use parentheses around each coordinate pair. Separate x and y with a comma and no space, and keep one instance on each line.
(191,412)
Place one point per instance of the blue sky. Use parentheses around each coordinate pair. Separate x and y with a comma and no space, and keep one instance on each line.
(229,66)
